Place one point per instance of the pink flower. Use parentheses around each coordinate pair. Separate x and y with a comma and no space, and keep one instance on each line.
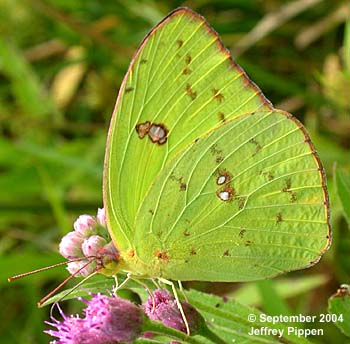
(78,269)
(107,320)
(70,245)
(163,307)
(92,244)
(101,216)
(84,225)
(71,330)
(114,318)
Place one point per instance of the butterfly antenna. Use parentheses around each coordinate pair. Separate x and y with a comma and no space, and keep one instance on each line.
(13,278)
(78,285)
(63,283)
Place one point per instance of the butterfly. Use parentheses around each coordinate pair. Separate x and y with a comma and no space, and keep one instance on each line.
(204,179)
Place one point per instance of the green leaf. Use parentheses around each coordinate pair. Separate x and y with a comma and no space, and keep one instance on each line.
(25,85)
(342,183)
(339,305)
(249,294)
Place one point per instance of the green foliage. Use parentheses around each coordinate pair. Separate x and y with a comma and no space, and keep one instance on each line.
(53,132)
(342,183)
(339,305)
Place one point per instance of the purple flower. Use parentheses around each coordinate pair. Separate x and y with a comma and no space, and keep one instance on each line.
(163,307)
(114,318)
(70,245)
(107,320)
(101,216)
(71,330)
(92,244)
(85,225)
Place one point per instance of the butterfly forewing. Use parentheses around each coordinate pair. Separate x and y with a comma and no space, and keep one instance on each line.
(245,201)
(180,84)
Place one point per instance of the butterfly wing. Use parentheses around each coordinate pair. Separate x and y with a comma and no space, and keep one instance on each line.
(243,202)
(180,84)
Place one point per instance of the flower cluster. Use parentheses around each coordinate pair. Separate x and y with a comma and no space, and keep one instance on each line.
(112,319)
(106,320)
(88,240)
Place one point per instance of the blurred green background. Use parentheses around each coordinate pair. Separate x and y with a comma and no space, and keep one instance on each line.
(61,64)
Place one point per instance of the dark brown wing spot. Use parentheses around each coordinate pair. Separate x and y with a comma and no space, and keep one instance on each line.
(129,89)
(226,253)
(267,174)
(257,145)
(188,59)
(279,217)
(179,43)
(131,253)
(241,202)
(219,159)
(190,92)
(248,243)
(186,71)
(217,95)
(163,255)
(186,233)
(288,185)
(241,233)
(182,184)
(151,211)
(286,188)
(193,251)
(222,117)
(143,61)
(142,129)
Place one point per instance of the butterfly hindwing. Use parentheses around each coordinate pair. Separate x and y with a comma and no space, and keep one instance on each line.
(180,84)
(243,202)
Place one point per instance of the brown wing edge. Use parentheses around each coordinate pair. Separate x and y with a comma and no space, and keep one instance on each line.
(324,184)
(185,11)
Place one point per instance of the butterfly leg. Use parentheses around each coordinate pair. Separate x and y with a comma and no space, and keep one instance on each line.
(182,290)
(121,285)
(177,302)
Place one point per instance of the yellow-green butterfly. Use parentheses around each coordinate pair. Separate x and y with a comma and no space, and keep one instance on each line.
(203,178)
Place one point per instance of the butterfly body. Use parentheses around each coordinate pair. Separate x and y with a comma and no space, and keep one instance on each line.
(204,179)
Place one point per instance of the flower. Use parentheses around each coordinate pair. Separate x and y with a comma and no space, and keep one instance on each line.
(163,307)
(70,245)
(84,225)
(81,268)
(71,330)
(114,318)
(106,320)
(101,216)
(92,244)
